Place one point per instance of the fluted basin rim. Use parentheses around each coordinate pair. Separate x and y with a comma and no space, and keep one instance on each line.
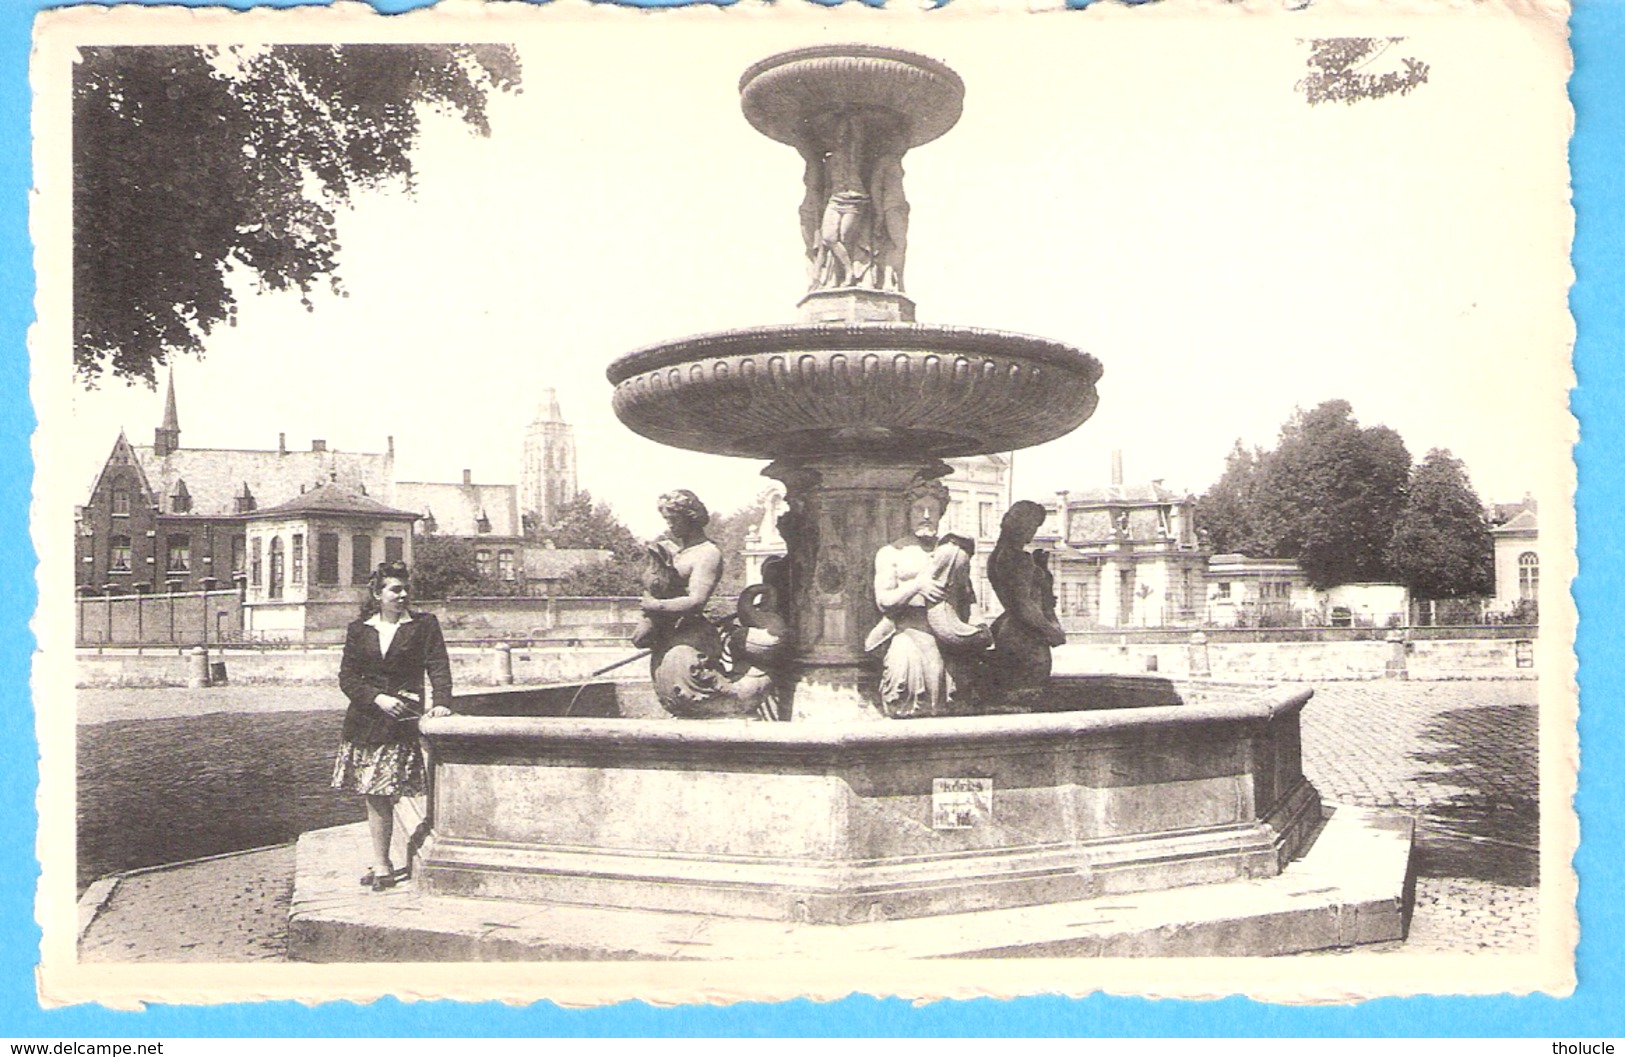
(1265,706)
(852,337)
(843,51)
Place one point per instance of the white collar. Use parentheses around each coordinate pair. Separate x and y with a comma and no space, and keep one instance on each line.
(377,620)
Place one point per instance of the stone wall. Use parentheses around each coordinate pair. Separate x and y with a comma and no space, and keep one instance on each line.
(1424,659)
(166,666)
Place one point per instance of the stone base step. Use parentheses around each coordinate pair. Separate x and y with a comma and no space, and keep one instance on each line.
(1354,886)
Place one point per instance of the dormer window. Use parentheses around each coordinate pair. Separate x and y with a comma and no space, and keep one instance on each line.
(243,501)
(180,500)
(483,525)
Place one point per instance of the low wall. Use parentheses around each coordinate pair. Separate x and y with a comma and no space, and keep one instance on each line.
(166,666)
(1303,661)
(190,617)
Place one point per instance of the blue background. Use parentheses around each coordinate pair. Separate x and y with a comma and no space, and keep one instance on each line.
(1598,299)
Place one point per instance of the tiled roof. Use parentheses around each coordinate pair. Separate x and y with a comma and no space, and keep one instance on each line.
(1527,521)
(214,476)
(334,498)
(1145,492)
(457,507)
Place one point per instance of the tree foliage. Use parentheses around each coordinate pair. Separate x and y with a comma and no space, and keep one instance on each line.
(729,532)
(1226,511)
(1327,495)
(585,522)
(444,567)
(194,163)
(1441,546)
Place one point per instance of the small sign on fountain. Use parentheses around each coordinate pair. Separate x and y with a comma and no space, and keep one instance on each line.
(961,803)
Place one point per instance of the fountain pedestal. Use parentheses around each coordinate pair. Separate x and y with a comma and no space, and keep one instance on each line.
(842,509)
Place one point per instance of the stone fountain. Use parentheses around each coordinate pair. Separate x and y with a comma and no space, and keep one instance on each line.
(1103,801)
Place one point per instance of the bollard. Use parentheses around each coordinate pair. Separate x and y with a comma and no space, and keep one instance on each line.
(502,665)
(197,667)
(1200,665)
(1396,656)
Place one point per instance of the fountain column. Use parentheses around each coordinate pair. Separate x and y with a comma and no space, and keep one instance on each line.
(842,509)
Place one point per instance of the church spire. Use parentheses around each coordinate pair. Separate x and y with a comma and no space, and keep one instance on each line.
(549,409)
(167,437)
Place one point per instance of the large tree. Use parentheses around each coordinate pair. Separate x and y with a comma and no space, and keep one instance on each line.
(1441,546)
(1328,495)
(193,165)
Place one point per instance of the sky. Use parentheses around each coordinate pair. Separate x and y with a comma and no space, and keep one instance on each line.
(1152,190)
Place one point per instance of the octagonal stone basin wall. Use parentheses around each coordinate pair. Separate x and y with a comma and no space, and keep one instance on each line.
(1173,784)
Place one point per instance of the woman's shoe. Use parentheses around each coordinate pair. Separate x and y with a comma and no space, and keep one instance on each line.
(400,873)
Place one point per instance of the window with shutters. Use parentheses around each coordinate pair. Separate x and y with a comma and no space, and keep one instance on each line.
(327,558)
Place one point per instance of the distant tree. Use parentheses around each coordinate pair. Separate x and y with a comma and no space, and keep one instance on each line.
(444,567)
(1330,494)
(586,523)
(1441,546)
(1228,510)
(194,163)
(611,578)
(729,532)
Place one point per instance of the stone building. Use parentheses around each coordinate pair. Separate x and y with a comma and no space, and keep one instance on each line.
(547,474)
(1257,592)
(1126,555)
(1517,555)
(163,517)
(487,515)
(310,559)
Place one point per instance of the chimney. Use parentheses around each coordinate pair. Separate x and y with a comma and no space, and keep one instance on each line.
(282,444)
(1117,467)
(1063,515)
(391,448)
(468,477)
(318,445)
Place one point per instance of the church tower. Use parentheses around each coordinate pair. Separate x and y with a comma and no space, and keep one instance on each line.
(547,476)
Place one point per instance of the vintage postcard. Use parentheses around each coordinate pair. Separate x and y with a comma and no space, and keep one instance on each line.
(776,501)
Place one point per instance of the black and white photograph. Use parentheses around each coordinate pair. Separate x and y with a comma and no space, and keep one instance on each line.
(728,504)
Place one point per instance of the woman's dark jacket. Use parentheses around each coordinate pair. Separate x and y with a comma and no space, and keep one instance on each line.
(364,673)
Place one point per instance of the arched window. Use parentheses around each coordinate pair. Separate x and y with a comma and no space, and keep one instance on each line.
(118,554)
(1529,576)
(255,566)
(121,500)
(275,587)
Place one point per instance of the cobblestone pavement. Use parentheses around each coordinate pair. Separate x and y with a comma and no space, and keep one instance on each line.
(1460,757)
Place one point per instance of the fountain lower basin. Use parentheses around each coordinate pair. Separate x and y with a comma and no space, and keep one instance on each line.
(1178,784)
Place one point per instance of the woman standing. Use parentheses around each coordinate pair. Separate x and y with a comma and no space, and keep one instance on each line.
(386,657)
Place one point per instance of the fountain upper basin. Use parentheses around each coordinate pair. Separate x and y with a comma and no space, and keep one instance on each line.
(855,388)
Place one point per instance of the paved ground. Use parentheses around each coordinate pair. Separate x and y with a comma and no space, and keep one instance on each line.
(1459,756)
